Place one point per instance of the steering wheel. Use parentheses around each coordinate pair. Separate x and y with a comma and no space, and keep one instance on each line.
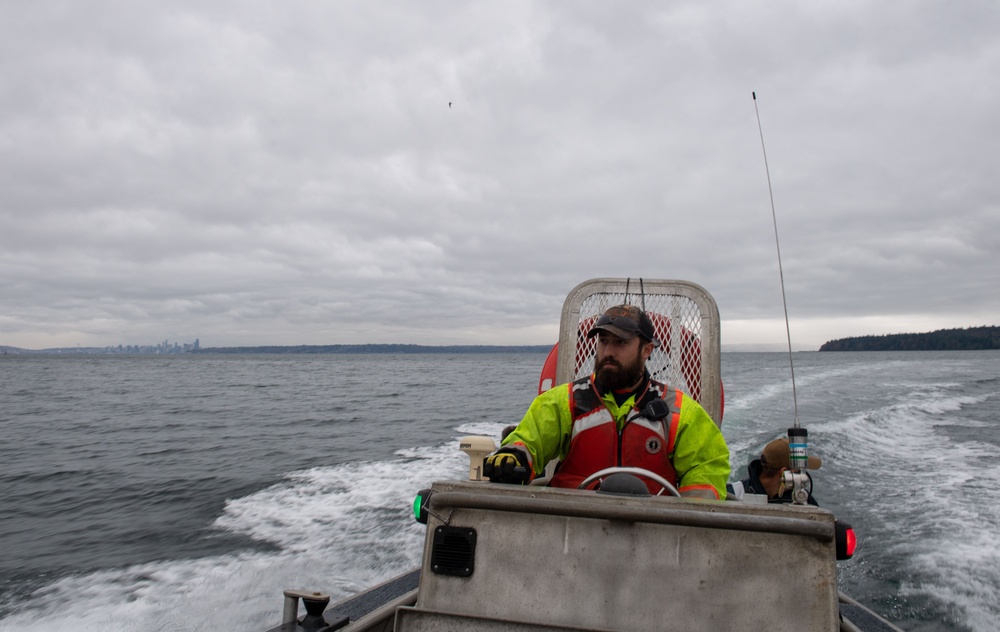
(636,471)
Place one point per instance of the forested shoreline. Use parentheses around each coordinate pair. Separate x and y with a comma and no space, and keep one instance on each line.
(969,339)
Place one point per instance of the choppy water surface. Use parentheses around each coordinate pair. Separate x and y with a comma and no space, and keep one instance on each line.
(185,492)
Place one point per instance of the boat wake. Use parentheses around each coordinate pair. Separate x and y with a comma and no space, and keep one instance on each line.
(336,529)
(935,491)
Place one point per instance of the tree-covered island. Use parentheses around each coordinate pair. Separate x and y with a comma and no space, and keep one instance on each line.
(969,339)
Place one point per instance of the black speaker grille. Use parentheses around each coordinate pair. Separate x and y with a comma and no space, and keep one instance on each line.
(454,551)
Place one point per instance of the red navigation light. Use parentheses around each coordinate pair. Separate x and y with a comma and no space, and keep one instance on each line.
(845,538)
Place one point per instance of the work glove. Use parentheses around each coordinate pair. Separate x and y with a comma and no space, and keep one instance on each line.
(507,465)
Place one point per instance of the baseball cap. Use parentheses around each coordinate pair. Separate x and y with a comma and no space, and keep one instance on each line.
(775,456)
(625,321)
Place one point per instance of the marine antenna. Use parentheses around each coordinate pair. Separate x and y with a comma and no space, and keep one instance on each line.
(781,274)
(798,446)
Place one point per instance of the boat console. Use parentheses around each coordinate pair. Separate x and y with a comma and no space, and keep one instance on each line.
(531,558)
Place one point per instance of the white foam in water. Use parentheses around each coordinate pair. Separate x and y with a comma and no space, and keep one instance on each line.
(753,399)
(940,498)
(211,593)
(485,428)
(781,387)
(338,529)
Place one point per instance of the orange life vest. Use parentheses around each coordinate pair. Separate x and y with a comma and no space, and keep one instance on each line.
(596,443)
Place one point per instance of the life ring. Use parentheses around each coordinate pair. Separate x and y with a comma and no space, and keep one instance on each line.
(690,357)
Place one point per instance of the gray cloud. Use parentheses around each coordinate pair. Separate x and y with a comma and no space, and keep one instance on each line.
(249,173)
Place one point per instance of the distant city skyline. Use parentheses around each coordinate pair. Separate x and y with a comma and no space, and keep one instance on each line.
(165,347)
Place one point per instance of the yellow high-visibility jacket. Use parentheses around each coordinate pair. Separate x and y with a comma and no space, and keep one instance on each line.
(694,444)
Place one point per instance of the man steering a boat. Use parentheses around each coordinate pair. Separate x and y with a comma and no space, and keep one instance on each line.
(617,416)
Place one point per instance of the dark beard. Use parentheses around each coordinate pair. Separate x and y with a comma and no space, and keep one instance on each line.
(614,377)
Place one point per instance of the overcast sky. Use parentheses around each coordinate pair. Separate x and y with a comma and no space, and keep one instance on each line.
(338,172)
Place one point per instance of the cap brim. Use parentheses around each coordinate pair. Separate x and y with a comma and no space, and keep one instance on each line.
(621,333)
(613,329)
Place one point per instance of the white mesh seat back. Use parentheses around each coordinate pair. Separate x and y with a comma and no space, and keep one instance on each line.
(686,321)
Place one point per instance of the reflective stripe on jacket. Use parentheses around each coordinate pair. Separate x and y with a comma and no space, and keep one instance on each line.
(597,442)
(562,421)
